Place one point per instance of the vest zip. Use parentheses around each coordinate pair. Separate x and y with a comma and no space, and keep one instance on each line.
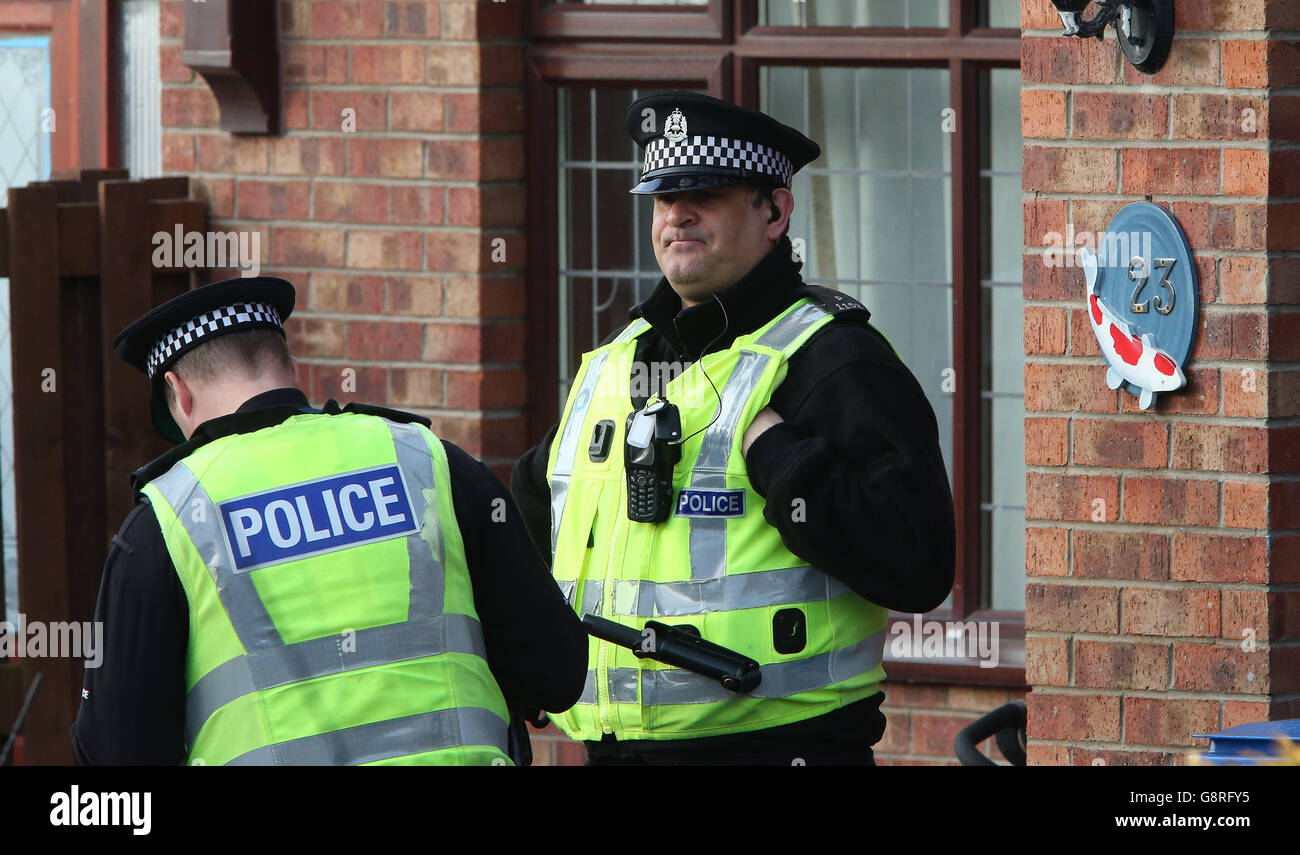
(603,702)
(604,705)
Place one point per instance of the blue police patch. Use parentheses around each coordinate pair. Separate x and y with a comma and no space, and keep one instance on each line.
(711,503)
(317,516)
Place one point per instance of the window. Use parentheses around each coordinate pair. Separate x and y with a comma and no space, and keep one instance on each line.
(641,2)
(874,212)
(914,207)
(854,13)
(24,158)
(1000,14)
(606,262)
(1002,371)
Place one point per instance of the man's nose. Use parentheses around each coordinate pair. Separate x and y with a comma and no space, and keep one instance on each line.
(680,213)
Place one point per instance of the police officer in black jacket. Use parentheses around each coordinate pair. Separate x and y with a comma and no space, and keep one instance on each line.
(849,432)
(133,706)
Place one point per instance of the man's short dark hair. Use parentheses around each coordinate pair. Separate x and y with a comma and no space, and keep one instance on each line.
(761,191)
(240,355)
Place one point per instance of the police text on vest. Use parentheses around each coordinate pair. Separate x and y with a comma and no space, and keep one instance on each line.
(711,503)
(317,517)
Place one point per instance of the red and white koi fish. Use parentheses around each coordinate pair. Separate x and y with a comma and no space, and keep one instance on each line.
(1128,357)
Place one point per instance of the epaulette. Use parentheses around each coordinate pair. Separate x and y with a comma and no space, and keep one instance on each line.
(399,416)
(837,303)
(842,306)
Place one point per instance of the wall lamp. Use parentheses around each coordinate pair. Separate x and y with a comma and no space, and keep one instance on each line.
(1143,28)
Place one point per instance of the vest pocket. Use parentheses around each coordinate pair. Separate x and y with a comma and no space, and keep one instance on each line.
(789,631)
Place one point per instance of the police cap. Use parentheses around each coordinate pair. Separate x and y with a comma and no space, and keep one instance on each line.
(155,342)
(694,141)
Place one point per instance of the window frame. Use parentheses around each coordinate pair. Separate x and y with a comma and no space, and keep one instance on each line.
(566,20)
(572,45)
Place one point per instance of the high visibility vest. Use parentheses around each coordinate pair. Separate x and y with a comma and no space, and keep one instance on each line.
(331,613)
(715,564)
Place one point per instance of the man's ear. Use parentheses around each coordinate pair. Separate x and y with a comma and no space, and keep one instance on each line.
(783,202)
(181,394)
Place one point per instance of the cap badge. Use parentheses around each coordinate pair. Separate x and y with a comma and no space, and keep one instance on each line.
(675,127)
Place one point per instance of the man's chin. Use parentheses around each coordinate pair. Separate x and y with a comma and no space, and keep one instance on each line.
(691,290)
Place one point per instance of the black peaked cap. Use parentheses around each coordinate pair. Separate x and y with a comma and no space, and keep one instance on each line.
(695,141)
(153,343)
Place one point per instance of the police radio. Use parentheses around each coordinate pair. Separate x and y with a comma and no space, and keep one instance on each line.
(650,452)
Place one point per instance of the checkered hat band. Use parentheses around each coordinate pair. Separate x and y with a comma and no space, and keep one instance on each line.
(237,315)
(717,151)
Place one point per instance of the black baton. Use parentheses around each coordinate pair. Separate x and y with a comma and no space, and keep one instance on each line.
(681,647)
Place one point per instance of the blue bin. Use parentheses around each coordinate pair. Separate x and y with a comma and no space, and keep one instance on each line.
(1253,744)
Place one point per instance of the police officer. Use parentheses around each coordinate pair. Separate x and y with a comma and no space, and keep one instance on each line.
(809,494)
(299,586)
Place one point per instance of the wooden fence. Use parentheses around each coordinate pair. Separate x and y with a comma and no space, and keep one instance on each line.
(78,252)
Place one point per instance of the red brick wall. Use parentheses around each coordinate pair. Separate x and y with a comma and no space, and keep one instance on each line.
(388,229)
(1157,541)
(923,721)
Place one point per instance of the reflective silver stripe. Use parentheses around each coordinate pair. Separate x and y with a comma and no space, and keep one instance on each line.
(592,594)
(632,330)
(622,685)
(332,654)
(643,598)
(588,695)
(398,737)
(569,445)
(592,591)
(424,547)
(781,680)
(793,325)
(251,621)
(709,534)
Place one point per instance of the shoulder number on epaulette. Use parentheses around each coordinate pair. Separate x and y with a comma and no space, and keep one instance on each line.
(835,302)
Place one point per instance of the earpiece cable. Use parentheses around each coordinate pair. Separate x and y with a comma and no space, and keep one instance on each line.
(718,412)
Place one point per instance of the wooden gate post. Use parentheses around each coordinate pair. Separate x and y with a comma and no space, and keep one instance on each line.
(78,251)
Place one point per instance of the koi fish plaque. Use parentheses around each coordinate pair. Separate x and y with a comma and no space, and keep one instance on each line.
(1142,300)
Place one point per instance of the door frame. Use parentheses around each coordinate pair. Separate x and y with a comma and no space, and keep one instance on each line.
(84,87)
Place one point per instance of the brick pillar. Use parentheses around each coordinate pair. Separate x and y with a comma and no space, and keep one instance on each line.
(1159,544)
(394,201)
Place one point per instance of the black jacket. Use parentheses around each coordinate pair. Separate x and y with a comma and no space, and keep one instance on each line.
(133,705)
(859,444)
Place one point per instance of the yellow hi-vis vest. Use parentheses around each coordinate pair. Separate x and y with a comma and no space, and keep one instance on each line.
(715,564)
(331,612)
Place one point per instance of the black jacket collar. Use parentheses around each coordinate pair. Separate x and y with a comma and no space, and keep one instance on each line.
(757,297)
(263,410)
